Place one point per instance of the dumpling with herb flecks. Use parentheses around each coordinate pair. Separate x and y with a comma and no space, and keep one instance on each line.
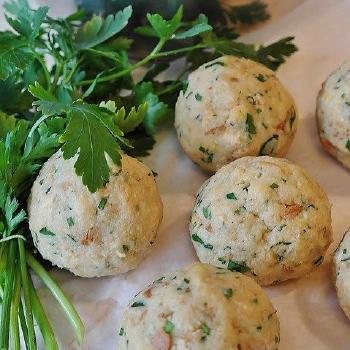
(341,261)
(333,114)
(234,107)
(262,216)
(200,307)
(94,234)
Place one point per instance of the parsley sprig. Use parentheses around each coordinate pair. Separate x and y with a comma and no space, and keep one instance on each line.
(22,152)
(90,63)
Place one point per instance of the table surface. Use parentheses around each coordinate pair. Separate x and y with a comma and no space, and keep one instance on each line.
(309,314)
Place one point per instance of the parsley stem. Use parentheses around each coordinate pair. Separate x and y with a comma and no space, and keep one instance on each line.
(12,237)
(174,86)
(182,50)
(156,53)
(45,70)
(24,327)
(15,340)
(59,295)
(7,298)
(73,69)
(170,88)
(57,74)
(3,255)
(157,48)
(43,322)
(36,124)
(118,74)
(26,293)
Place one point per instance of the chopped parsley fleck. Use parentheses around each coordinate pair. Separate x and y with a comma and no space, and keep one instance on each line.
(280,257)
(72,238)
(347,103)
(138,304)
(268,146)
(102,203)
(160,279)
(125,248)
(231,196)
(318,261)
(46,232)
(312,206)
(169,327)
(228,292)
(250,126)
(345,259)
(269,317)
(281,227)
(119,171)
(70,221)
(258,110)
(185,86)
(198,97)
(222,260)
(206,212)
(214,64)
(240,210)
(283,243)
(189,94)
(184,286)
(251,100)
(199,240)
(237,266)
(207,155)
(255,300)
(205,329)
(348,144)
(292,119)
(260,77)
(121,332)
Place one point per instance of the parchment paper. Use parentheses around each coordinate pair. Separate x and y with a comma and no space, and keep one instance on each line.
(307,308)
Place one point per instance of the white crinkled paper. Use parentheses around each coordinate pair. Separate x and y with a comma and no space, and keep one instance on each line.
(308,310)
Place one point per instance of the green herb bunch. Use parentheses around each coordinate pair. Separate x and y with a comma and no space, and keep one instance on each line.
(23,149)
(221,17)
(69,83)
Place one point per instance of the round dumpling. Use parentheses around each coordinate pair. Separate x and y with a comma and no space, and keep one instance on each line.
(262,216)
(200,307)
(342,273)
(234,107)
(333,114)
(94,234)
